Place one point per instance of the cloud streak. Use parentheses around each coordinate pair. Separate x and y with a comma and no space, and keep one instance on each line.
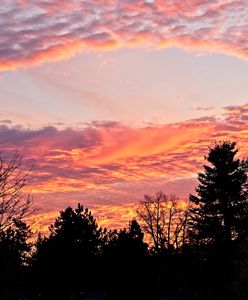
(108,164)
(37,31)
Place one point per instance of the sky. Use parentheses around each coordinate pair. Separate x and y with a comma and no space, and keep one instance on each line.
(110,100)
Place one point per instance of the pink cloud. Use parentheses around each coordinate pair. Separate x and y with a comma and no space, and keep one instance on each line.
(33,32)
(107,156)
(107,164)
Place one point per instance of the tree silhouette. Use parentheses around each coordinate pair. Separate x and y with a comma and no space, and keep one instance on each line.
(164,220)
(127,243)
(221,208)
(14,250)
(67,260)
(78,229)
(14,205)
(14,233)
(125,260)
(239,283)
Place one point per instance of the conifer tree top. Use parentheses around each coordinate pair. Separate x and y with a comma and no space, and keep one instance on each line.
(221,206)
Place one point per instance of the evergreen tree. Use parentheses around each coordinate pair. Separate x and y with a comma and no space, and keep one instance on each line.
(77,229)
(221,209)
(67,261)
(125,259)
(127,243)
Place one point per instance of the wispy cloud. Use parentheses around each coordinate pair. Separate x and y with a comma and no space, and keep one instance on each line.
(36,31)
(107,163)
(204,108)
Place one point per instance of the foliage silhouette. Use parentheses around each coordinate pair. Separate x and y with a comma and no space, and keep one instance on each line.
(70,254)
(220,214)
(125,263)
(78,229)
(127,242)
(14,249)
(219,219)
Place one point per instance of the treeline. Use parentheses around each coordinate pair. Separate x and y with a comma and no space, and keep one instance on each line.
(193,250)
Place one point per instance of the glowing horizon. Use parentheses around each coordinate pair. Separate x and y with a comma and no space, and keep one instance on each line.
(108,167)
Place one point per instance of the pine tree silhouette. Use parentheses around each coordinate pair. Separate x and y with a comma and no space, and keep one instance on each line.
(221,208)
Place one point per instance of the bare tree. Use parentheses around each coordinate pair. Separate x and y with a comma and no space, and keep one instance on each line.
(164,219)
(182,226)
(14,204)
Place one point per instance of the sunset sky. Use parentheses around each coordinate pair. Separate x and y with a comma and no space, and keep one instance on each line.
(108,100)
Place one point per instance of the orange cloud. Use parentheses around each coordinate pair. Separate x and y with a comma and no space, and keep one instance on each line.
(108,164)
(108,216)
(39,31)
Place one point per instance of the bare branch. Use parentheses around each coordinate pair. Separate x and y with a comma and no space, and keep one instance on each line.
(14,204)
(164,220)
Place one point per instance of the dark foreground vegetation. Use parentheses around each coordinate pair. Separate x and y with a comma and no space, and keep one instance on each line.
(196,250)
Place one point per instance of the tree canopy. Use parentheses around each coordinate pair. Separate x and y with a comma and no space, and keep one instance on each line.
(220,212)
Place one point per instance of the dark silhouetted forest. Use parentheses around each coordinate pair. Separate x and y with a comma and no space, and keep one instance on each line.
(191,250)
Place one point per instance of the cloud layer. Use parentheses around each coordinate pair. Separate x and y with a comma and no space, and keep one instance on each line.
(109,167)
(36,31)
